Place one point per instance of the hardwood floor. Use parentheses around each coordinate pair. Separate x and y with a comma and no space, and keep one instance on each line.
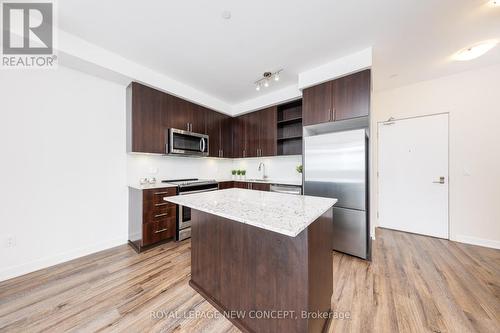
(414,284)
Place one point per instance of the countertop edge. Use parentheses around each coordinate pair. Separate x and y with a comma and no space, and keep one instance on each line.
(257,224)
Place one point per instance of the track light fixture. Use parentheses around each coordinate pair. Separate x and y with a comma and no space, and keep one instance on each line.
(267,77)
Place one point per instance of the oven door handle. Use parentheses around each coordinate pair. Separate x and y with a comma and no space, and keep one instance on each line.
(193,192)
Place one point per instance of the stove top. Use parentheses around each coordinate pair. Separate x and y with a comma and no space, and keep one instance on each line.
(189,182)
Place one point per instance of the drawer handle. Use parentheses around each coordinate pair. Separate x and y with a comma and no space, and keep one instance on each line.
(158,193)
(161,204)
(161,230)
(160,215)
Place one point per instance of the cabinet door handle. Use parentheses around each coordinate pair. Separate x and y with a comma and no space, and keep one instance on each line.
(161,204)
(160,215)
(159,193)
(161,230)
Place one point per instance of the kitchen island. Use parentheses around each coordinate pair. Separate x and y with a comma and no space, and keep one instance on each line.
(264,260)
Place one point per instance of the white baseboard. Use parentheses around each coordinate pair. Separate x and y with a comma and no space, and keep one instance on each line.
(478,241)
(17,270)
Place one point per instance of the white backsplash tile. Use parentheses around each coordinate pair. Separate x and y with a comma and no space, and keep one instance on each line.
(173,167)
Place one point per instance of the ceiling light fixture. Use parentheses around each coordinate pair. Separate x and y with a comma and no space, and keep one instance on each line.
(495,3)
(266,78)
(475,51)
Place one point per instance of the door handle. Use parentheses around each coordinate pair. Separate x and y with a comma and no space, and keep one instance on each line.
(203,145)
(440,181)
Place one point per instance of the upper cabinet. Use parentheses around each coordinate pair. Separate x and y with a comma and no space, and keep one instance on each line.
(352,96)
(345,98)
(267,132)
(254,134)
(145,130)
(317,104)
(218,128)
(150,113)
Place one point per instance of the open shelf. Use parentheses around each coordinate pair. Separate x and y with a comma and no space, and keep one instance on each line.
(291,138)
(290,121)
(289,124)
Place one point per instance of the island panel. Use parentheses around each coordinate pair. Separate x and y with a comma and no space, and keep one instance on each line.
(240,267)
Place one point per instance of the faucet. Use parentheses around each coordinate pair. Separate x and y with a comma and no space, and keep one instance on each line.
(262,169)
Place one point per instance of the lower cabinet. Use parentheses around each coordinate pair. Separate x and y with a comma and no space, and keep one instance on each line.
(151,219)
(226,185)
(245,185)
(260,187)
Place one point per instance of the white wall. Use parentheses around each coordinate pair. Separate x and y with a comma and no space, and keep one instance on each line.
(165,167)
(174,167)
(277,168)
(63,167)
(472,100)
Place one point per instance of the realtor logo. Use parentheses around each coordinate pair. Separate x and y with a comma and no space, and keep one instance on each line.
(27,34)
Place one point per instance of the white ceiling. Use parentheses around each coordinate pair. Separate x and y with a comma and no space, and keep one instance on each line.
(190,41)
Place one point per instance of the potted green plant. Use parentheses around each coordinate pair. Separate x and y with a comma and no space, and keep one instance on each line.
(238,172)
(299,168)
(243,173)
(233,173)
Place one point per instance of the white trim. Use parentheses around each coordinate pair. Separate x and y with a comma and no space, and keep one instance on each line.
(18,270)
(78,54)
(378,124)
(283,95)
(340,67)
(75,51)
(494,244)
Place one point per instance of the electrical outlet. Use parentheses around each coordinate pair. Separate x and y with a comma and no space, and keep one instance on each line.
(10,241)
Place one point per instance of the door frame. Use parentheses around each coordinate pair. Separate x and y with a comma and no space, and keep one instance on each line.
(394,119)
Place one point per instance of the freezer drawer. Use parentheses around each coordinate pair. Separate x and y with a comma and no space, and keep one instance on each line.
(350,232)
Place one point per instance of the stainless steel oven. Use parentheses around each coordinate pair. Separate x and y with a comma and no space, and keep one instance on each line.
(187,143)
(184,187)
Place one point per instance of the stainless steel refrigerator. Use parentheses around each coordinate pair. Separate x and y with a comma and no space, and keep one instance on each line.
(336,165)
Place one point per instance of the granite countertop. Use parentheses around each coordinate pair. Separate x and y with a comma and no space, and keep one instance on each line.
(286,214)
(265,181)
(151,186)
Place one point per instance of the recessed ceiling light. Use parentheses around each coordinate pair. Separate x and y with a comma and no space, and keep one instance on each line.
(226,14)
(475,51)
(495,3)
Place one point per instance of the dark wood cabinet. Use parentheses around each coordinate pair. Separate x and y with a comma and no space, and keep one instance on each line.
(252,132)
(245,185)
(151,219)
(226,144)
(344,98)
(219,130)
(239,137)
(175,112)
(197,118)
(240,185)
(260,187)
(352,96)
(213,129)
(226,185)
(267,131)
(317,104)
(145,131)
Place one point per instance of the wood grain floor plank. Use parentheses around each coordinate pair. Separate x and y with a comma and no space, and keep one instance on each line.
(413,284)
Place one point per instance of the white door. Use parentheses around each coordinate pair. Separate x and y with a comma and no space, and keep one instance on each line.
(413,175)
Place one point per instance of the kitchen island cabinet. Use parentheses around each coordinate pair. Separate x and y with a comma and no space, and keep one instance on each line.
(263,259)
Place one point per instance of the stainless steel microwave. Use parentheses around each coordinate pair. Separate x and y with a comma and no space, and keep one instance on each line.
(186,143)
